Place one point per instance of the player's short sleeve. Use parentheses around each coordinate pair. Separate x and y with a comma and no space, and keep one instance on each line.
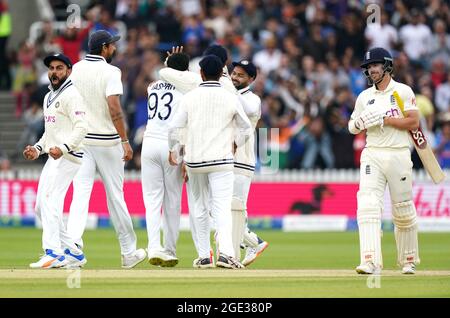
(409,98)
(114,85)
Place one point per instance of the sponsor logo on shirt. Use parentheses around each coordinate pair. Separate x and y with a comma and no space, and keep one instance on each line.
(50,119)
(393,112)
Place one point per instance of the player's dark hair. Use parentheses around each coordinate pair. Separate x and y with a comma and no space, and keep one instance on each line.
(96,51)
(212,77)
(178,61)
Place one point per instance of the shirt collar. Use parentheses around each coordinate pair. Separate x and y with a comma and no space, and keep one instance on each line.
(66,83)
(210,84)
(388,88)
(244,90)
(94,58)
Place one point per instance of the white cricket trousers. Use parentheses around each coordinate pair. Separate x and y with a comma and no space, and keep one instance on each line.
(212,191)
(241,189)
(161,187)
(55,179)
(381,167)
(108,161)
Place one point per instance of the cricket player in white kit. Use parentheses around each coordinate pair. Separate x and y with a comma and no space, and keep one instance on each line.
(162,183)
(243,74)
(386,159)
(106,145)
(209,113)
(65,129)
(187,81)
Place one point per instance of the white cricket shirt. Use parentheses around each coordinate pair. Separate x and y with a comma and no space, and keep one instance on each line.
(95,79)
(65,122)
(162,104)
(244,158)
(210,114)
(389,137)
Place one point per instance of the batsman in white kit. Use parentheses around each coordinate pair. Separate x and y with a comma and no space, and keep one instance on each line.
(187,81)
(162,183)
(106,145)
(209,113)
(242,76)
(65,129)
(386,159)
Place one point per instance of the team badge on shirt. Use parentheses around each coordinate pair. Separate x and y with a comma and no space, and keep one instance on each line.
(370,102)
(392,100)
(57,105)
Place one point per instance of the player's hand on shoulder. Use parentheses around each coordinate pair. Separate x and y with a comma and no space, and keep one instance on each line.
(127,151)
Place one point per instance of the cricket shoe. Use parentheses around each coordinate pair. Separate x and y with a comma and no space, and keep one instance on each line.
(203,263)
(75,259)
(230,262)
(368,268)
(135,258)
(409,269)
(161,258)
(50,260)
(253,252)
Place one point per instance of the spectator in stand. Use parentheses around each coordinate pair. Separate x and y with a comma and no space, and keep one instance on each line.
(381,34)
(25,76)
(442,144)
(33,118)
(318,146)
(415,37)
(440,43)
(251,16)
(314,45)
(268,59)
(442,97)
(168,27)
(71,41)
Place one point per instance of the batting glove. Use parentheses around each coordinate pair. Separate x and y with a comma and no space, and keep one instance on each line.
(370,118)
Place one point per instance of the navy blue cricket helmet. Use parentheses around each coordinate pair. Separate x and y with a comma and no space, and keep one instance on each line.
(378,55)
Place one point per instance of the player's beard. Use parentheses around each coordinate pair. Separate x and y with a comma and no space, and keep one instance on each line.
(60,82)
(239,85)
(110,58)
(377,79)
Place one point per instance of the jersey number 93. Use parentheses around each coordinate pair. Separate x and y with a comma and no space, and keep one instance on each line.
(161,102)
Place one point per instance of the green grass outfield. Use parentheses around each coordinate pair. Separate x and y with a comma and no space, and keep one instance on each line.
(294,265)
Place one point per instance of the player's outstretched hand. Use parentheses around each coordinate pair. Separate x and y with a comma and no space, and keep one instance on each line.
(55,153)
(30,153)
(175,49)
(127,152)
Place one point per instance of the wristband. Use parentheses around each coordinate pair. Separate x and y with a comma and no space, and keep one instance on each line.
(125,141)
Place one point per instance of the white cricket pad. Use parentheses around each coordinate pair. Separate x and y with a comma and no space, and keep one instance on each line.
(404,217)
(369,224)
(238,217)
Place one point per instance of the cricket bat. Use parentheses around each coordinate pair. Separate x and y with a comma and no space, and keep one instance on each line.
(423,149)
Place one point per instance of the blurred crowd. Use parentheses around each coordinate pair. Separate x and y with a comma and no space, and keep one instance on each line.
(307,52)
